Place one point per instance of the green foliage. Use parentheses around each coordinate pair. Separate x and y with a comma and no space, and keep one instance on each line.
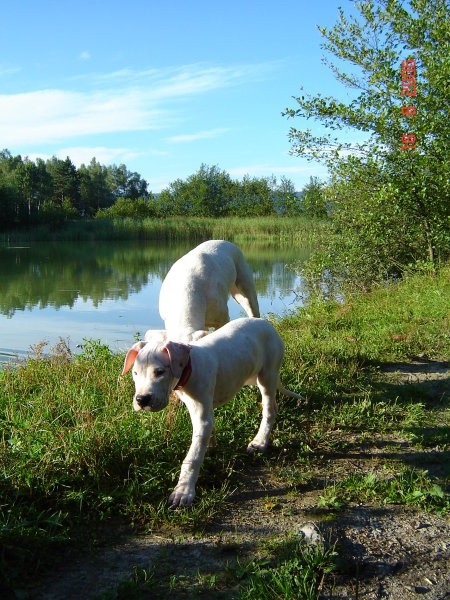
(410,486)
(314,202)
(205,193)
(211,192)
(390,206)
(54,191)
(139,208)
(292,570)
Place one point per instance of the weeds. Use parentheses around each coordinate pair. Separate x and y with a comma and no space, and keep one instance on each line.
(292,569)
(411,487)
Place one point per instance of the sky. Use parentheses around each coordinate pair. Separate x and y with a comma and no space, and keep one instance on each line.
(163,87)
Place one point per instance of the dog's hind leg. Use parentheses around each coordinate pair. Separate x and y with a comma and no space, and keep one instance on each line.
(267,384)
(244,290)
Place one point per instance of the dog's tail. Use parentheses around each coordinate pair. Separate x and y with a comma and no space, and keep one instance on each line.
(287,392)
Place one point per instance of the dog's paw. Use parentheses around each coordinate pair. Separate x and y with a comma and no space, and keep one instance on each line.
(181,497)
(256,447)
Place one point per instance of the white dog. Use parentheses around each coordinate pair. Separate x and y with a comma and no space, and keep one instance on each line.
(195,292)
(206,374)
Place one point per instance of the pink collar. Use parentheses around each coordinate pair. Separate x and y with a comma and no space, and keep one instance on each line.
(184,375)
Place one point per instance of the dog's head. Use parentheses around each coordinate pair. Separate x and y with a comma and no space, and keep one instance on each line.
(156,369)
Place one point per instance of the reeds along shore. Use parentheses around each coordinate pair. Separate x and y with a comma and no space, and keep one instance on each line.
(301,231)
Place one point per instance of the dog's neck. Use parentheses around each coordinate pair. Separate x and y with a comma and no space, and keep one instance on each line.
(184,375)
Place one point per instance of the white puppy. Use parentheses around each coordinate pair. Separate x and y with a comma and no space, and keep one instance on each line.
(206,374)
(194,293)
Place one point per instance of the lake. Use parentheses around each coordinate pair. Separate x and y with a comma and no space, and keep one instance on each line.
(108,291)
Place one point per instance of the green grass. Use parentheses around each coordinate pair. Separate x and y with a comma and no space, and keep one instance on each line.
(288,569)
(299,230)
(409,487)
(74,456)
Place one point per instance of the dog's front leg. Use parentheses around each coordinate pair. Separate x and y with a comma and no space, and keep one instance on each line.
(202,425)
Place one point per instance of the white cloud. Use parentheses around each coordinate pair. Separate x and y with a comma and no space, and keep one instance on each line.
(200,135)
(135,101)
(85,55)
(51,115)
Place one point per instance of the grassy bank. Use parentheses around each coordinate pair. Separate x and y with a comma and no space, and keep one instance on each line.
(298,230)
(74,457)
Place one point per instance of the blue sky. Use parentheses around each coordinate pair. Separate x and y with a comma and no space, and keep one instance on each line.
(163,86)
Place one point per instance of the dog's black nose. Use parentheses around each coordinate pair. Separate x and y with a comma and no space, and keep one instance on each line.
(144,399)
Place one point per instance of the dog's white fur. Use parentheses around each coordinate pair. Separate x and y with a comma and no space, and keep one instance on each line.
(195,291)
(242,352)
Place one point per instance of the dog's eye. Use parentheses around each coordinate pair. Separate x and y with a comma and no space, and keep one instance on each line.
(159,372)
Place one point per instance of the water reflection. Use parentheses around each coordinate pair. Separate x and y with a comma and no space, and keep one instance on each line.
(109,290)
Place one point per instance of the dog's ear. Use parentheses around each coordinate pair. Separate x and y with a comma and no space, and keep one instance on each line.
(178,355)
(131,356)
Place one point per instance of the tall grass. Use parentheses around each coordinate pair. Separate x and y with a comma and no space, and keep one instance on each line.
(300,230)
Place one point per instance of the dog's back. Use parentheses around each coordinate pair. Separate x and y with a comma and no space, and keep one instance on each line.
(237,354)
(194,294)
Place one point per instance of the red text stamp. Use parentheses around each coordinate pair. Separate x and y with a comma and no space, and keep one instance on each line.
(409,88)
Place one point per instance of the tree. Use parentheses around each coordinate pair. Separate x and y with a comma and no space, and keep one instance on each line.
(254,197)
(122,208)
(52,191)
(11,205)
(398,68)
(286,201)
(313,199)
(94,190)
(65,182)
(43,183)
(126,184)
(206,193)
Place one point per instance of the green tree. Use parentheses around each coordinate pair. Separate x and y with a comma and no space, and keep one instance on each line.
(141,208)
(254,196)
(126,184)
(287,200)
(94,189)
(205,193)
(314,203)
(65,183)
(376,181)
(11,204)
(43,184)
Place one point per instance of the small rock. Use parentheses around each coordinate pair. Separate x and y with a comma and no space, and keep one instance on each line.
(310,534)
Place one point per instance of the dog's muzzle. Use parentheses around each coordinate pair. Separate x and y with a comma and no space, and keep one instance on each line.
(148,402)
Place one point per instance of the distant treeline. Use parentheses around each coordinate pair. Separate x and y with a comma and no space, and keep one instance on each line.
(53,191)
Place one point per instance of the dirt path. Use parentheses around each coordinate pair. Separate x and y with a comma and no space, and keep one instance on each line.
(385,552)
